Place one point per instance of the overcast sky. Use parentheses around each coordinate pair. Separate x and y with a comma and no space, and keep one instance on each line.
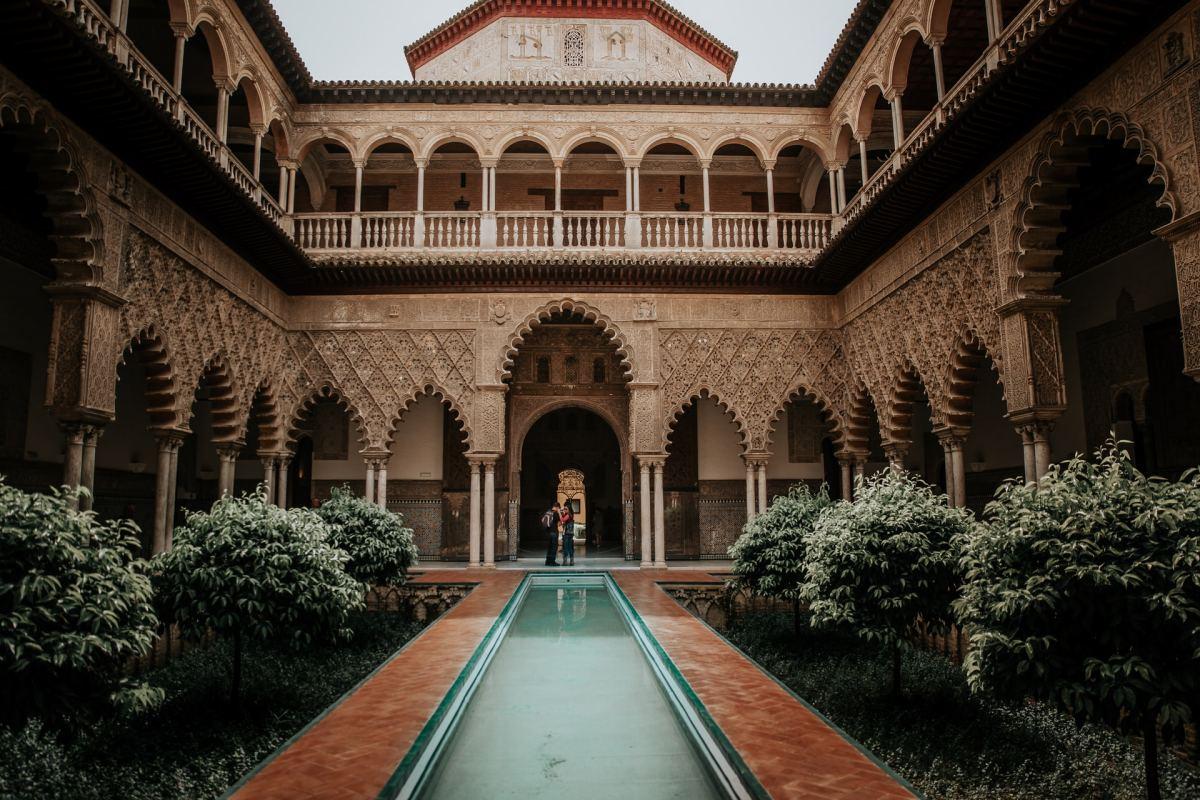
(778,41)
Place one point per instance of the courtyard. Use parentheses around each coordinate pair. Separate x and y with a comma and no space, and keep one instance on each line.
(573,403)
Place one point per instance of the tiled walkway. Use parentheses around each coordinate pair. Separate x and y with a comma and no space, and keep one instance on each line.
(353,750)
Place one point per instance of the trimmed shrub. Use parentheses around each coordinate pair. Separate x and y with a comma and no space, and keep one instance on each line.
(768,558)
(380,548)
(250,570)
(1084,591)
(882,563)
(75,604)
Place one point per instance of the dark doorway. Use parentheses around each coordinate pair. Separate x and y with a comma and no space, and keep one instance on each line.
(572,439)
(300,475)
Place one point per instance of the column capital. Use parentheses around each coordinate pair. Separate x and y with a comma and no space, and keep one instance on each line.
(705,163)
(559,161)
(1034,430)
(489,163)
(170,436)
(935,41)
(632,163)
(229,451)
(756,459)
(421,163)
(896,451)
(951,438)
(768,164)
(651,459)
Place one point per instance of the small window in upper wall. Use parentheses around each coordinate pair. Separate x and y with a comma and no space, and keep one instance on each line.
(543,370)
(571,369)
(573,48)
(598,371)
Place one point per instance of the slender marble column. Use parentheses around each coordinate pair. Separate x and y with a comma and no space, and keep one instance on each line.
(73,458)
(660,518)
(646,531)
(162,492)
(87,471)
(172,490)
(474,518)
(749,490)
(227,456)
(372,483)
(381,483)
(847,467)
(762,486)
(281,492)
(489,513)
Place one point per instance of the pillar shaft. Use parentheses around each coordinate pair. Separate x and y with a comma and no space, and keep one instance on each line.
(939,74)
(281,492)
(381,485)
(258,137)
(73,458)
(761,470)
(372,483)
(897,121)
(660,518)
(749,491)
(862,160)
(177,76)
(474,515)
(172,490)
(646,531)
(847,468)
(841,189)
(833,198)
(489,514)
(87,471)
(770,191)
(358,181)
(707,200)
(162,494)
(420,187)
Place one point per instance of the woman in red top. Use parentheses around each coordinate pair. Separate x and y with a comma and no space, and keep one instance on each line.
(568,533)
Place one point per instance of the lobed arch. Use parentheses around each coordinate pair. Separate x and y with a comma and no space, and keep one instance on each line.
(706,392)
(266,411)
(1054,171)
(451,137)
(443,396)
(861,412)
(147,346)
(217,376)
(829,413)
(970,354)
(815,146)
(303,407)
(749,142)
(908,387)
(598,135)
(672,137)
(565,306)
(77,232)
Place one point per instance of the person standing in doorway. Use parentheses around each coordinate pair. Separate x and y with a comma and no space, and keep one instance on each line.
(568,533)
(550,524)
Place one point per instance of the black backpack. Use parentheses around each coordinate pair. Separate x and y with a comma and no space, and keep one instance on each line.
(548,520)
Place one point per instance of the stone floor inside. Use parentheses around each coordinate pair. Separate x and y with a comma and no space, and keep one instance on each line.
(352,750)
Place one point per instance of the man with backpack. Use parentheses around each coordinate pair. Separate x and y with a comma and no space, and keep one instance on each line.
(550,523)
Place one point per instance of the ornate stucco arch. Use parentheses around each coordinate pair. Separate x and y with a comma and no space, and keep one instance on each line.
(861,413)
(434,389)
(71,207)
(908,386)
(224,396)
(267,413)
(565,306)
(303,407)
(152,353)
(970,354)
(705,392)
(833,416)
(1037,219)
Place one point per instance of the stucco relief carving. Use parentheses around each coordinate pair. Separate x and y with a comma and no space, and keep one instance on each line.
(381,372)
(197,320)
(922,324)
(752,372)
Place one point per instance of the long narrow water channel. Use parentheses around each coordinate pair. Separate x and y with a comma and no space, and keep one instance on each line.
(570,708)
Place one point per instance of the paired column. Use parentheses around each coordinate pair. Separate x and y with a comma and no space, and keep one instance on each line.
(833,193)
(952,441)
(660,517)
(87,471)
(482,532)
(283,462)
(79,461)
(846,464)
(166,470)
(750,492)
(270,463)
(227,456)
(1035,444)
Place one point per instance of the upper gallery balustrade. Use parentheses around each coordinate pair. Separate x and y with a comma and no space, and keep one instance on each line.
(668,198)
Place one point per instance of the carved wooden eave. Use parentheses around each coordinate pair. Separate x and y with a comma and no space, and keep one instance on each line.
(681,272)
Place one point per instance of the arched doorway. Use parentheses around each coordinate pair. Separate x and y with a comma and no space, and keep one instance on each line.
(573,454)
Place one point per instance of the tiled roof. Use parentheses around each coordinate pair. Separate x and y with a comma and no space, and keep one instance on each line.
(274,37)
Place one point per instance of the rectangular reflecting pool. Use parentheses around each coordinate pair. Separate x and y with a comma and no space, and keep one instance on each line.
(569,696)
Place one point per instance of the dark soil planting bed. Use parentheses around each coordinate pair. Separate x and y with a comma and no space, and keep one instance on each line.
(198,744)
(947,743)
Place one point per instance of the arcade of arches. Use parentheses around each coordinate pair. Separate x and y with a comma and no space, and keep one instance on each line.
(1052,298)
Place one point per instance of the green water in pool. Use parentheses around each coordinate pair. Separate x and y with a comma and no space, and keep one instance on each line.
(569,708)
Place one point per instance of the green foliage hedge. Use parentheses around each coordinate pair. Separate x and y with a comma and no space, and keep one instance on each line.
(75,604)
(768,558)
(380,548)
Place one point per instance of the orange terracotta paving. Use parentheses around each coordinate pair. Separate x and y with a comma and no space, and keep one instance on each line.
(792,751)
(351,752)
